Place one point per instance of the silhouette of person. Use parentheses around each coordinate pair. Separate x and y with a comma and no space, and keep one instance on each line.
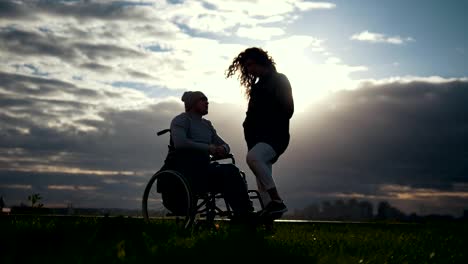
(266,125)
(193,141)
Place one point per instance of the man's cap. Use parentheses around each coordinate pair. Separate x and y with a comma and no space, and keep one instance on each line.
(190,98)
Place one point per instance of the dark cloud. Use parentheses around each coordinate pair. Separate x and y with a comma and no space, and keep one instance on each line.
(22,43)
(158,30)
(105,51)
(96,67)
(29,104)
(118,142)
(355,142)
(82,10)
(138,74)
(399,127)
(10,9)
(29,85)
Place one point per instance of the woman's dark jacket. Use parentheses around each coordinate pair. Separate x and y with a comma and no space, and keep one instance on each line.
(270,107)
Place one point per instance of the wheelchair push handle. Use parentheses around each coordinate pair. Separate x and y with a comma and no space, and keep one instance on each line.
(162,132)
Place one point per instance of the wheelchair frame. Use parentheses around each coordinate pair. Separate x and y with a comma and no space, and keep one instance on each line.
(200,206)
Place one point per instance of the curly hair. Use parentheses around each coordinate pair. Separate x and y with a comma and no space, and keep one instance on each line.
(238,64)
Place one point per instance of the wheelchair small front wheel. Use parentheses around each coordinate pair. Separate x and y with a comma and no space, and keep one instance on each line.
(168,197)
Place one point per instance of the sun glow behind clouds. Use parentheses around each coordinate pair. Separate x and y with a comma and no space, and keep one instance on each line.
(311,79)
(312,70)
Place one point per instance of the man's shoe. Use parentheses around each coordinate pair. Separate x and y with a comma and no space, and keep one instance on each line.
(274,210)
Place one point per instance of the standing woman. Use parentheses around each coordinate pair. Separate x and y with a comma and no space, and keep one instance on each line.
(266,125)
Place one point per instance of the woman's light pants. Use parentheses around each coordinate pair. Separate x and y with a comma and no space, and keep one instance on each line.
(259,159)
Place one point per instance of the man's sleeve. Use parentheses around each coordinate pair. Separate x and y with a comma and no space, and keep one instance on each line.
(179,129)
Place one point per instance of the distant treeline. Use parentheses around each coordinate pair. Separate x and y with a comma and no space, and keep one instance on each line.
(75,211)
(355,210)
(340,210)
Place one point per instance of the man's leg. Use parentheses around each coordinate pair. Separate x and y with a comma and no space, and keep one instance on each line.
(227,180)
(194,167)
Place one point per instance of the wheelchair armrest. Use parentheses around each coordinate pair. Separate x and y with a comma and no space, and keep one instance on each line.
(229,156)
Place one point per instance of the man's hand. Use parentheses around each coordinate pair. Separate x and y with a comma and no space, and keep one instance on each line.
(221,152)
(217,151)
(212,149)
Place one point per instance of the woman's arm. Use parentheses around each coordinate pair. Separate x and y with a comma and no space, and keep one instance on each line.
(285,97)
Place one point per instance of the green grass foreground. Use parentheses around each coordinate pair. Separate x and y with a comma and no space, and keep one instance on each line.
(42,239)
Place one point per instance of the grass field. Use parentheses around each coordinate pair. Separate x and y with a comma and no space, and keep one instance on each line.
(42,239)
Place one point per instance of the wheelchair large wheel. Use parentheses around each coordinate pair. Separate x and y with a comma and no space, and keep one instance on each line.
(168,196)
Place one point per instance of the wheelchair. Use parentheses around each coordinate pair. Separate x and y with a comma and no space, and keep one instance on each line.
(182,203)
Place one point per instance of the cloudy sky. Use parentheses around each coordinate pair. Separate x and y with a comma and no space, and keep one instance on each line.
(380,89)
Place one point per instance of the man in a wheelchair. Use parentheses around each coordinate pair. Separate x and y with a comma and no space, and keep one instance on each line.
(193,143)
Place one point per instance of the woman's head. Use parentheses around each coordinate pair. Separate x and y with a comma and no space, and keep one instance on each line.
(252,63)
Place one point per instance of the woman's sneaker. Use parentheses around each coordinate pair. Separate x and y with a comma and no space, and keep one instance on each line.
(274,210)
